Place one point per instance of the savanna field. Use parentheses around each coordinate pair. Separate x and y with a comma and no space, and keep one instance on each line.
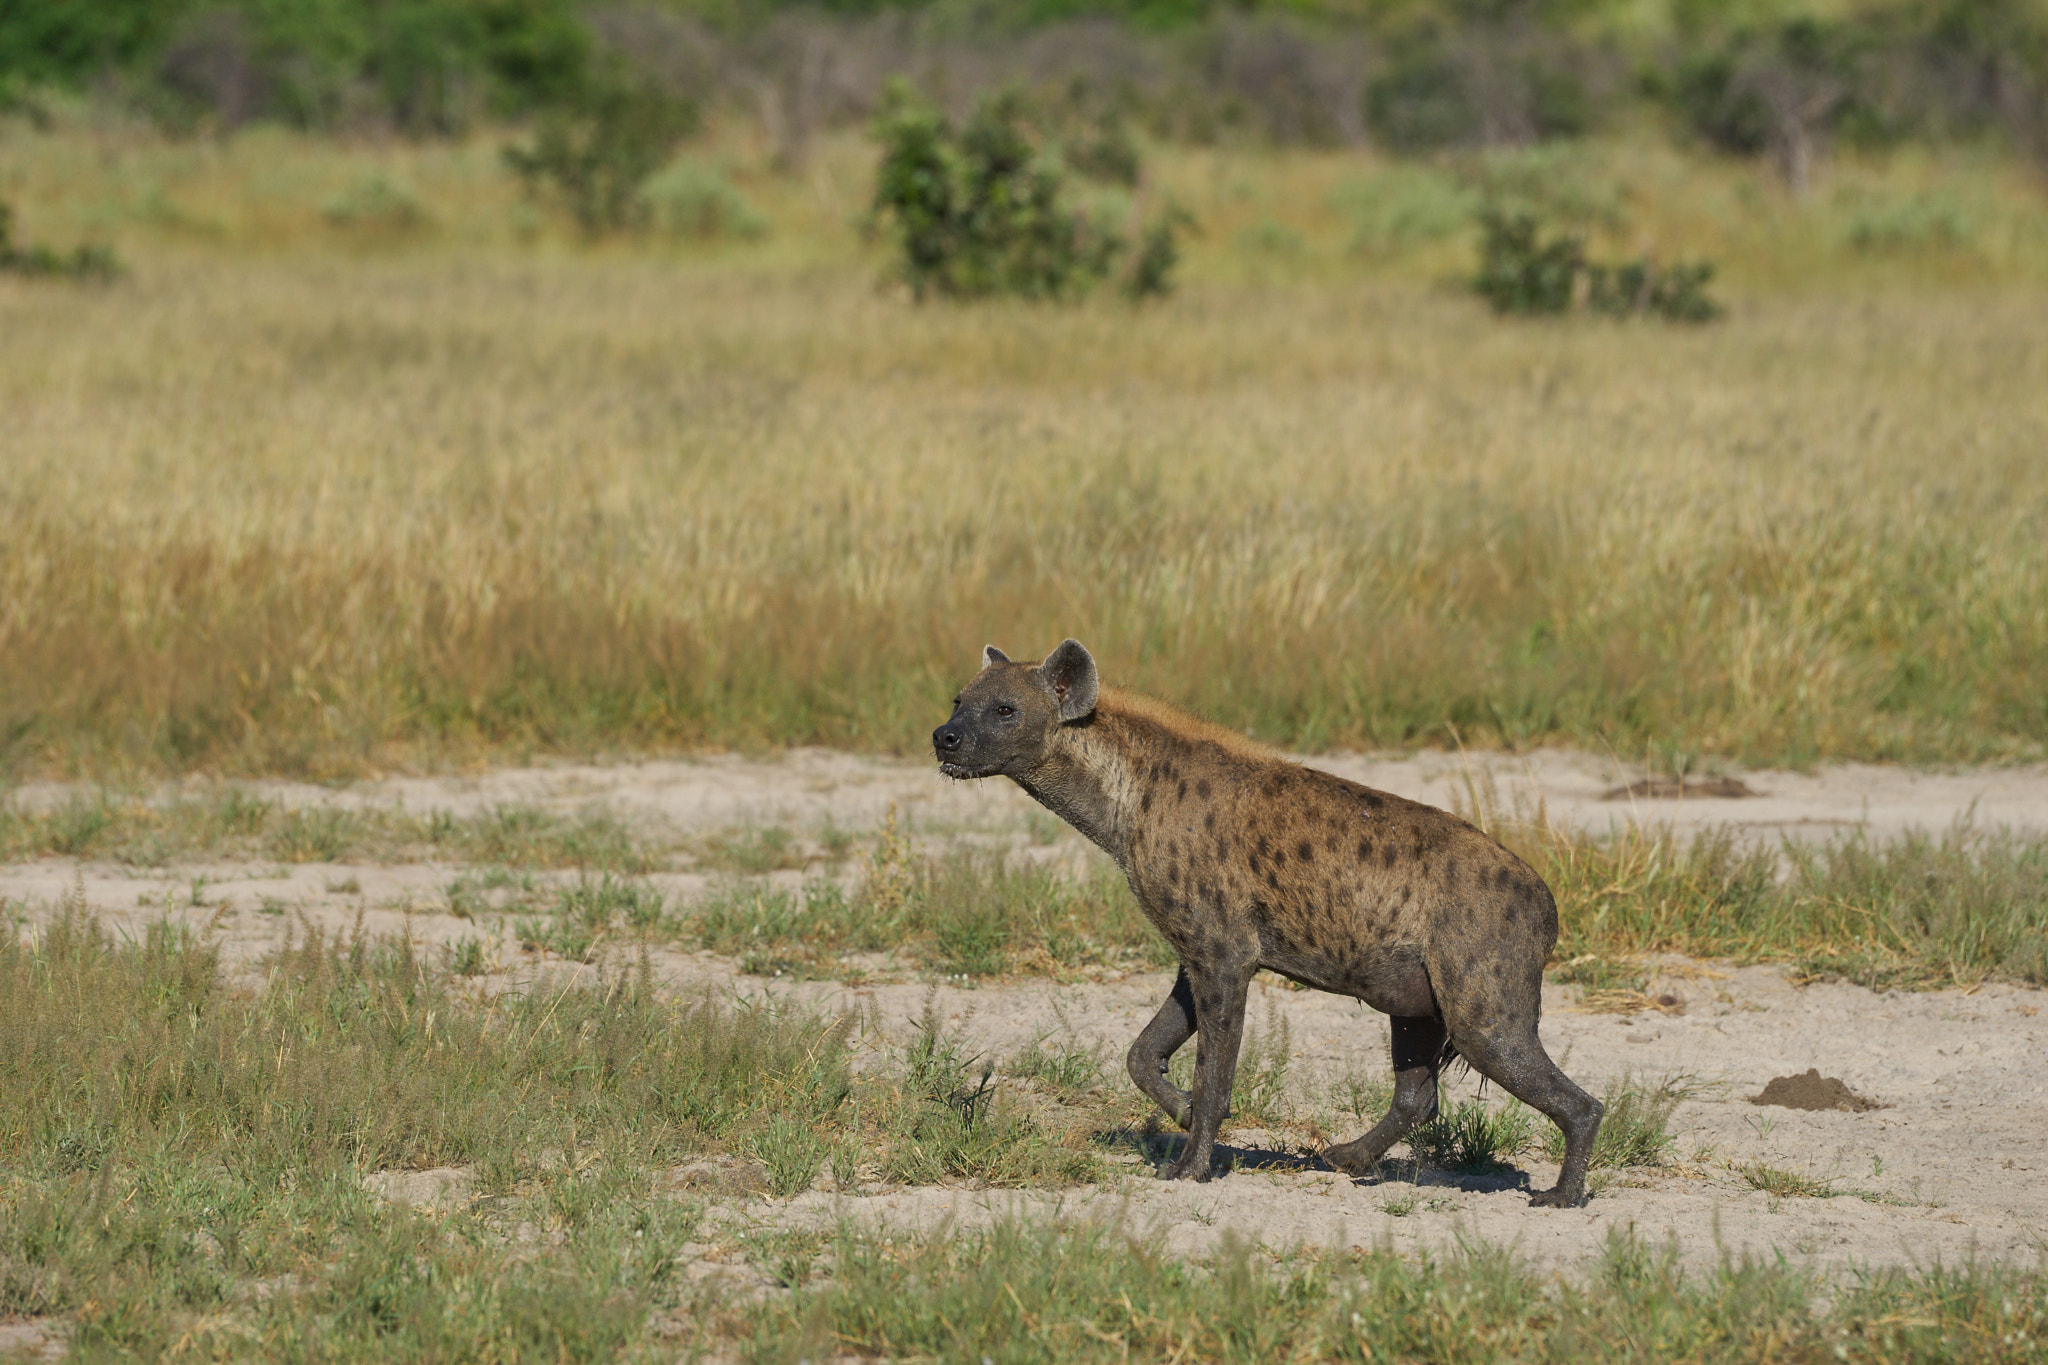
(379,547)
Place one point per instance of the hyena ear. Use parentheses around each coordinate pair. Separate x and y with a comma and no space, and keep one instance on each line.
(991,656)
(1070,672)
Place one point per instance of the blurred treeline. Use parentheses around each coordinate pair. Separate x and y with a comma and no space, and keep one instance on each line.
(1777,78)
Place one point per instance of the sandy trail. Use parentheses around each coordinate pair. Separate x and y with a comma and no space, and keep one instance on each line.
(1955,1165)
(812,787)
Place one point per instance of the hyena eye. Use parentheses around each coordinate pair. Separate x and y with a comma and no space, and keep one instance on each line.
(1006,711)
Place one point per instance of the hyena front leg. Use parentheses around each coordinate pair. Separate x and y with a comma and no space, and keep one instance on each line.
(1219,993)
(1171,1027)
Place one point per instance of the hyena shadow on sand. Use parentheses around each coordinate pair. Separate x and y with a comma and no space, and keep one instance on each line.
(1244,860)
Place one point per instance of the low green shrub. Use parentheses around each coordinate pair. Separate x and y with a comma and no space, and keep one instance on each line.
(1403,207)
(1523,271)
(375,205)
(595,156)
(997,205)
(687,198)
(89,261)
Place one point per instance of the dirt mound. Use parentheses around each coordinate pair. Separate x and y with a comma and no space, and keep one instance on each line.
(1813,1091)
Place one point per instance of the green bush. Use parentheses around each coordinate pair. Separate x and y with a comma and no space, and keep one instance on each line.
(1522,271)
(595,155)
(993,206)
(1403,207)
(1930,221)
(690,199)
(375,205)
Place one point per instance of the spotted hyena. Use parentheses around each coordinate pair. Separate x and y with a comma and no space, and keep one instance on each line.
(1244,860)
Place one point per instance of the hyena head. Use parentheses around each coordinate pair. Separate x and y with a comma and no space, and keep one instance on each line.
(1003,720)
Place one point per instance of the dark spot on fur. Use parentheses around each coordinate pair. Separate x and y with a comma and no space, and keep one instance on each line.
(1511,914)
(1406,893)
(1202,789)
(1387,855)
(1262,846)
(1364,850)
(1181,793)
(1145,803)
(1373,800)
(1273,881)
(1209,822)
(1306,850)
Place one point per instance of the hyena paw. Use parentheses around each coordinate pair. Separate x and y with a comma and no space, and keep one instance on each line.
(1559,1198)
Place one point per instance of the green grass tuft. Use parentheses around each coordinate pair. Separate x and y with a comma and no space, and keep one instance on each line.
(1636,1129)
(1472,1139)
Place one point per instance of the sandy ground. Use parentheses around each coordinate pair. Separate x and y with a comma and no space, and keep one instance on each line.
(1954,1165)
(812,787)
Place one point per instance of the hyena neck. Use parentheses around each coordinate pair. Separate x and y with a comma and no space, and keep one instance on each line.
(1086,779)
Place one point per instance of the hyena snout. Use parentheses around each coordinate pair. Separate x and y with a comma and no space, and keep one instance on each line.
(961,752)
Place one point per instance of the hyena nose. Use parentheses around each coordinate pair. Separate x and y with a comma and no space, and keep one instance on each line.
(945,739)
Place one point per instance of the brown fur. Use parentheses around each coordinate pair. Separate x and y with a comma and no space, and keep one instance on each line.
(1244,860)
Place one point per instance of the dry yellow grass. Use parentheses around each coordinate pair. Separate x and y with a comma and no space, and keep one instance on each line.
(299,498)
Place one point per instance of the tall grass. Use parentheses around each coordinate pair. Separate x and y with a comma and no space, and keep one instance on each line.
(357,1055)
(1916,909)
(280,504)
(181,1159)
(1031,1292)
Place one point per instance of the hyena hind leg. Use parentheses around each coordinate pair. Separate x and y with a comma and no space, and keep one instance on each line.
(1519,1065)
